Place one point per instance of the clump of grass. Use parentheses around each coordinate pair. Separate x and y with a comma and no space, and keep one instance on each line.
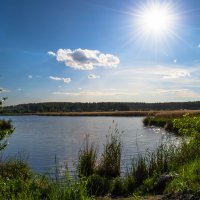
(18,183)
(87,159)
(188,178)
(164,122)
(118,187)
(12,169)
(97,185)
(110,162)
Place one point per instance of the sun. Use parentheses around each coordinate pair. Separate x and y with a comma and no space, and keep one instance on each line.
(156,19)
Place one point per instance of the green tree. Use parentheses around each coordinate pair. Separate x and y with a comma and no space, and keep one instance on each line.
(6,128)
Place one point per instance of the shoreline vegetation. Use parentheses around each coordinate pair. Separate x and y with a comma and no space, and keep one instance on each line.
(153,113)
(171,171)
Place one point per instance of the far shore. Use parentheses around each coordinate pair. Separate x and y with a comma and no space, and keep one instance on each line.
(161,113)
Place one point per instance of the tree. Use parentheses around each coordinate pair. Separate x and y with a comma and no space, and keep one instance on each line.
(6,128)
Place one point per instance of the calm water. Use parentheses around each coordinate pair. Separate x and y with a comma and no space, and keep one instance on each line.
(43,137)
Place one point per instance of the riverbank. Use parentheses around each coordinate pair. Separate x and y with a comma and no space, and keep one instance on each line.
(171,169)
(161,113)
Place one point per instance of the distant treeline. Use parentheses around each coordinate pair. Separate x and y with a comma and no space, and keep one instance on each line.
(98,107)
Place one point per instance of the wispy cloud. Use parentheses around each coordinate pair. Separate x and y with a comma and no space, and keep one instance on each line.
(157,72)
(95,93)
(93,76)
(65,80)
(30,76)
(178,93)
(85,59)
(51,53)
(198,46)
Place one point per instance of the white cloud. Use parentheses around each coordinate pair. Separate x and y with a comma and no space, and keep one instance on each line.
(198,46)
(85,59)
(65,80)
(51,53)
(2,90)
(95,93)
(19,89)
(93,76)
(179,93)
(174,60)
(30,76)
(158,72)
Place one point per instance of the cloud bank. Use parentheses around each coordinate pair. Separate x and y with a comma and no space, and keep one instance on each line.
(65,80)
(85,59)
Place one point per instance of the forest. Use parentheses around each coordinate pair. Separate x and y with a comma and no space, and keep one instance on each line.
(98,107)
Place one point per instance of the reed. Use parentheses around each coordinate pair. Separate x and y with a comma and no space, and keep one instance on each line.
(110,162)
(87,158)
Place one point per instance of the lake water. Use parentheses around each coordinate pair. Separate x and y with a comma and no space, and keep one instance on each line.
(43,137)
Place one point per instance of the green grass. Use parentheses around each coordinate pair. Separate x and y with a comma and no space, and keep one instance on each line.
(18,182)
(87,159)
(110,162)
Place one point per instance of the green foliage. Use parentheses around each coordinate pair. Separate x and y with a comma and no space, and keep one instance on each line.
(97,185)
(187,125)
(118,187)
(87,159)
(6,129)
(13,169)
(110,162)
(25,185)
(188,178)
(139,169)
(163,122)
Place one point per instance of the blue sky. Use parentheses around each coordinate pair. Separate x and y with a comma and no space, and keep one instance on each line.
(93,51)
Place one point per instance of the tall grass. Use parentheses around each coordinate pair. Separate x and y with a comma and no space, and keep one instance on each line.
(18,182)
(87,158)
(110,162)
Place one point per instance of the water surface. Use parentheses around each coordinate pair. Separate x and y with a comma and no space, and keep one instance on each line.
(43,137)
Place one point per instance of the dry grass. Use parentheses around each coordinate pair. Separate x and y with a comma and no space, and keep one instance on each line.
(176,113)
(162,113)
(111,113)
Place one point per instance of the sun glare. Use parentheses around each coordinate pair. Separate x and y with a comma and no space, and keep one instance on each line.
(156,19)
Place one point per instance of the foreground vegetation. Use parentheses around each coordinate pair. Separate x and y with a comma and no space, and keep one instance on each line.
(171,168)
